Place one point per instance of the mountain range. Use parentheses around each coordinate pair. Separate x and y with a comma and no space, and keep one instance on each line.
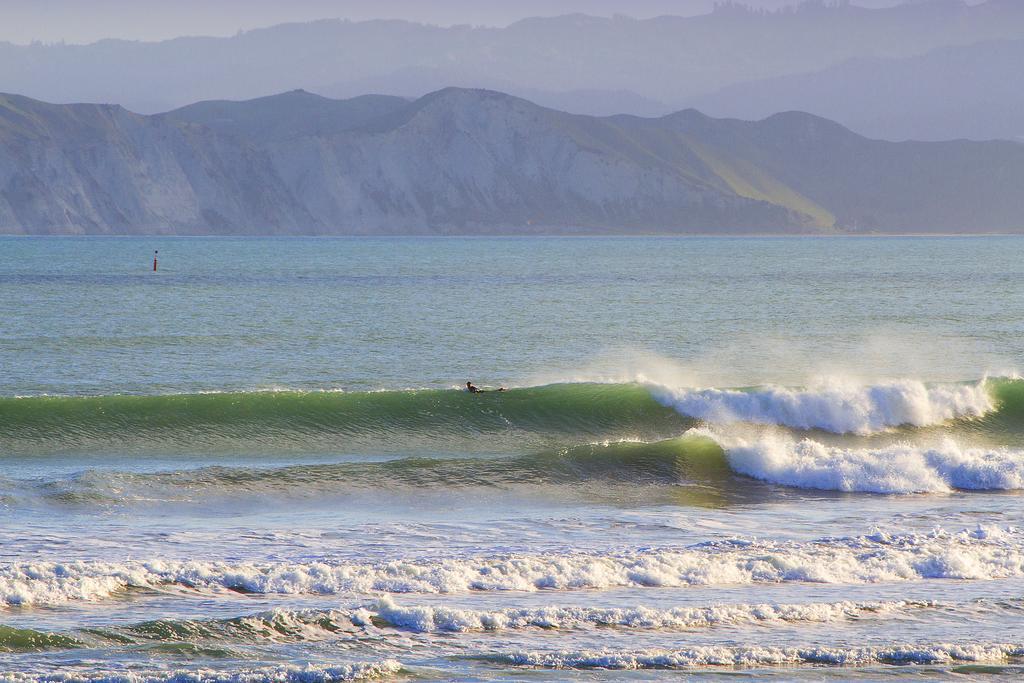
(461,161)
(723,62)
(970,91)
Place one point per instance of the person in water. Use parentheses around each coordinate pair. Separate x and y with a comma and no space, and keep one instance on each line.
(473,389)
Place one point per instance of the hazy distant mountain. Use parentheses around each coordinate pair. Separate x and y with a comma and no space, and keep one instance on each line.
(420,81)
(292,115)
(666,59)
(477,162)
(975,91)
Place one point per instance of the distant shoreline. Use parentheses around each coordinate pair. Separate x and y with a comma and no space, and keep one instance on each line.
(759,235)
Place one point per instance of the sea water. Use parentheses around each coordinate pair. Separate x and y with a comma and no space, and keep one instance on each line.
(793,457)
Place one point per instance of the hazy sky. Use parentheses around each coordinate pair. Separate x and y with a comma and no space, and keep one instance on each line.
(81,21)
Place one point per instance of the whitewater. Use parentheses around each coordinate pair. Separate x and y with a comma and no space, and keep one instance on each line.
(728,457)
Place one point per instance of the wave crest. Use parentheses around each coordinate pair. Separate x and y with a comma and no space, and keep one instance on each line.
(834,405)
(312,625)
(709,656)
(981,554)
(288,673)
(424,619)
(898,468)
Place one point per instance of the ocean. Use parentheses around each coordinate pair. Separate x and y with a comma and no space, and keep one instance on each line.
(797,458)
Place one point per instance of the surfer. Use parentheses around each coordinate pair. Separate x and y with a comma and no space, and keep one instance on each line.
(473,389)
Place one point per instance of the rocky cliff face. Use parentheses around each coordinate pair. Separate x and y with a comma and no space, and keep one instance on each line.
(102,169)
(478,162)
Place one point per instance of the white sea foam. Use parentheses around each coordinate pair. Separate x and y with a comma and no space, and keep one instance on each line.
(834,405)
(278,674)
(431,618)
(982,554)
(898,468)
(942,653)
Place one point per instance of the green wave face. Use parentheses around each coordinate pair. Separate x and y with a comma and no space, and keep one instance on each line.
(27,640)
(516,421)
(289,421)
(605,470)
(200,637)
(1009,397)
(616,440)
(274,626)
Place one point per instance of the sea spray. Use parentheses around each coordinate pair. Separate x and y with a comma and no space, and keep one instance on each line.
(834,405)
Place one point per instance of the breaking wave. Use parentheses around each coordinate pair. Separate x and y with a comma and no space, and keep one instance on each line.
(898,468)
(985,553)
(836,406)
(282,421)
(310,625)
(275,674)
(425,619)
(711,656)
(698,458)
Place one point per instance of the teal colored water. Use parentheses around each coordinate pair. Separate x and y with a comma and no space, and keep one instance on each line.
(86,316)
(792,457)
